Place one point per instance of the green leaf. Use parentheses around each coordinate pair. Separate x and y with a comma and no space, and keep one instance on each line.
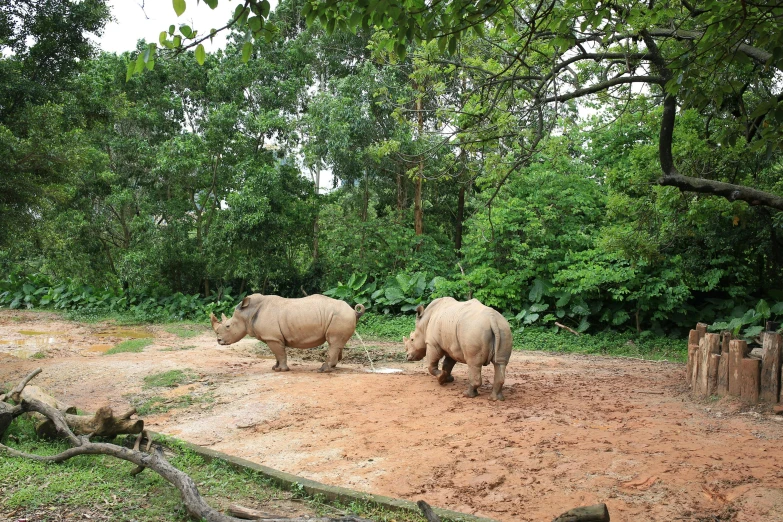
(355,20)
(201,54)
(211,3)
(179,7)
(264,7)
(453,44)
(186,31)
(246,50)
(131,69)
(172,29)
(763,309)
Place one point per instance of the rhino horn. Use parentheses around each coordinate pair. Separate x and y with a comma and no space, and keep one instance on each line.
(214,320)
(223,318)
(404,339)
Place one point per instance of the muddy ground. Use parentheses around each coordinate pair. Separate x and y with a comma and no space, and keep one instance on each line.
(574,430)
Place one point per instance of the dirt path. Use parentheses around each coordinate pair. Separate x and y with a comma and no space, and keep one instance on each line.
(573,430)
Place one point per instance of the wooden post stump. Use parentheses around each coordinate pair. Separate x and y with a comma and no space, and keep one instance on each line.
(712,374)
(723,366)
(751,371)
(693,348)
(709,344)
(770,368)
(737,351)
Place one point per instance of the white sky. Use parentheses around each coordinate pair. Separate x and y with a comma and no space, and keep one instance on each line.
(133,23)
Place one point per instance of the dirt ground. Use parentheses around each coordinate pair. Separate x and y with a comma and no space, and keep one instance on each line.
(574,430)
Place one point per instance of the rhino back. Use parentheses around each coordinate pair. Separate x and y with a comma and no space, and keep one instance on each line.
(465,332)
(304,322)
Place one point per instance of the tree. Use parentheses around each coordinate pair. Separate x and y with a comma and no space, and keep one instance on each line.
(721,58)
(43,44)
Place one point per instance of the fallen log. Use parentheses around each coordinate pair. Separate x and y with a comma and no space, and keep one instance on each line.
(596,513)
(9,412)
(35,392)
(102,424)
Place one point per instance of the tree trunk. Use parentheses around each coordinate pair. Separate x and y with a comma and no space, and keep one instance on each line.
(460,217)
(723,366)
(418,218)
(596,513)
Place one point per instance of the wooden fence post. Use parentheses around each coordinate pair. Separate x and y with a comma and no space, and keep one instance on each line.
(737,351)
(770,368)
(751,371)
(723,365)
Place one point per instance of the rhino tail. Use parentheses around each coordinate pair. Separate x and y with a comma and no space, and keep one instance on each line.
(359,309)
(496,345)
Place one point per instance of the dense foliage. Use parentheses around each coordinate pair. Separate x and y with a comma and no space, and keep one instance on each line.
(335,161)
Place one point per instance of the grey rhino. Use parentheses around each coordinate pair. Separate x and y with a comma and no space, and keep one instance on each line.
(299,323)
(466,332)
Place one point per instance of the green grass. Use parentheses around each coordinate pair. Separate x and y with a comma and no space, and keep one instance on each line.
(185,331)
(103,488)
(171,378)
(385,327)
(38,355)
(158,404)
(606,343)
(131,345)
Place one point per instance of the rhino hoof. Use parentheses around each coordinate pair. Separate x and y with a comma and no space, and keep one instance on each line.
(443,379)
(325,368)
(471,393)
(279,369)
(498,397)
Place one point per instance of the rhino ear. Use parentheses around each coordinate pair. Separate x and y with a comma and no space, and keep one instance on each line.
(419,311)
(223,318)
(215,321)
(245,302)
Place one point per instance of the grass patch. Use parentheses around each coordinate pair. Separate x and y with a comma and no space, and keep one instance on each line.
(102,487)
(385,327)
(185,331)
(171,378)
(38,355)
(131,345)
(178,348)
(158,404)
(644,346)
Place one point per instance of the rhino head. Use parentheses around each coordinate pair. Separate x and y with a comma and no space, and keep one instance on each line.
(412,348)
(230,330)
(414,345)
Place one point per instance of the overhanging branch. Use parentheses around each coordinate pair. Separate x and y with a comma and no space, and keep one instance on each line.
(719,188)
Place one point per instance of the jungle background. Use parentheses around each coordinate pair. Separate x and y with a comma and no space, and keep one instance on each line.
(316,160)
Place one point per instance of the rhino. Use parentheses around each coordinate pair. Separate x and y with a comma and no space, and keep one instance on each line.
(305,322)
(466,332)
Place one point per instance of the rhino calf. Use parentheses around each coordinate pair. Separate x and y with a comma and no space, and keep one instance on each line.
(305,322)
(466,332)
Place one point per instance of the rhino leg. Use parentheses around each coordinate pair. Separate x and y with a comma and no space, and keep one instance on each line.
(474,381)
(434,355)
(445,376)
(497,387)
(333,356)
(282,359)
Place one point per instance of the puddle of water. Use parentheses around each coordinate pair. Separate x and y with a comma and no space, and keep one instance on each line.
(32,332)
(125,333)
(100,348)
(26,348)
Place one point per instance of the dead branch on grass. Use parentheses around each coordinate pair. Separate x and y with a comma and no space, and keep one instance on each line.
(81,445)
